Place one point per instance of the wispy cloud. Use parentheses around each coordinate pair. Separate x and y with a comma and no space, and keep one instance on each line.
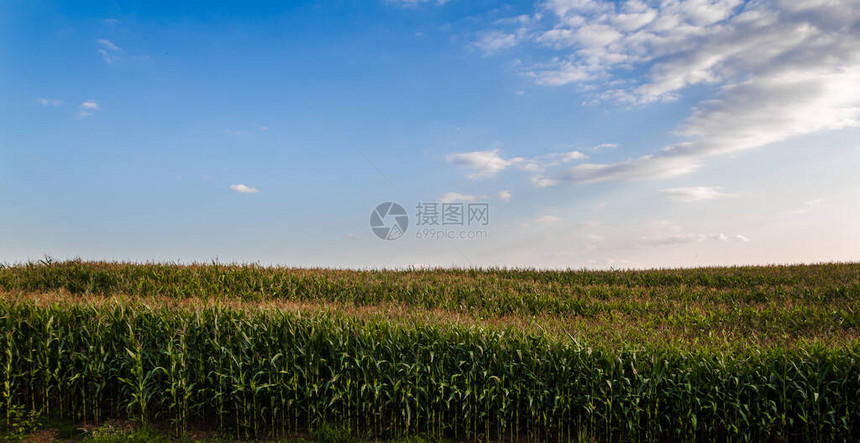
(659,233)
(491,42)
(109,51)
(485,164)
(694,194)
(780,70)
(604,146)
(243,189)
(87,108)
(50,102)
(645,167)
(679,239)
(481,163)
(571,156)
(805,208)
(107,44)
(543,182)
(453,197)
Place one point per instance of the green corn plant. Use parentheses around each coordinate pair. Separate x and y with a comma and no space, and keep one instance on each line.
(258,370)
(9,356)
(179,388)
(140,382)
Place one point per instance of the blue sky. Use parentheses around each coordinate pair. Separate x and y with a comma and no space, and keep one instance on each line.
(601,134)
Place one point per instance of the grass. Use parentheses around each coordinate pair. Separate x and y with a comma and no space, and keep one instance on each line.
(745,353)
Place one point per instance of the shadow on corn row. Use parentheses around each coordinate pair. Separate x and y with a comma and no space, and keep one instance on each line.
(267,373)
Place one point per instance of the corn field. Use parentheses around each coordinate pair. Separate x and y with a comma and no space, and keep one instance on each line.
(254,368)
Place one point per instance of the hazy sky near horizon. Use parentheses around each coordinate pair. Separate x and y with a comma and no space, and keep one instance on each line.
(599,133)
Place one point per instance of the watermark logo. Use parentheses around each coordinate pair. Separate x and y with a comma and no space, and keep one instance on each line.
(462,214)
(389,221)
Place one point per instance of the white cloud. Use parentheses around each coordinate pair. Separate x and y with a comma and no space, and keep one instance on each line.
(543,182)
(109,51)
(780,69)
(571,156)
(679,239)
(601,37)
(648,166)
(805,208)
(774,107)
(694,194)
(242,189)
(603,146)
(673,239)
(491,42)
(484,164)
(451,197)
(50,102)
(108,44)
(87,108)
(522,19)
(668,233)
